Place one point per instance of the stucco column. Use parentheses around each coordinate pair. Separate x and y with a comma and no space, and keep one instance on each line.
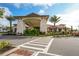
(43,25)
(20,26)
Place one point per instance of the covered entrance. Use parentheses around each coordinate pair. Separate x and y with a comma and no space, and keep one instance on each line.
(32,20)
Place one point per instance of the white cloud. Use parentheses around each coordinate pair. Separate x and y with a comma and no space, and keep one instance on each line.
(41,11)
(43,4)
(4,21)
(18,5)
(46,5)
(6,13)
(71,18)
(39,1)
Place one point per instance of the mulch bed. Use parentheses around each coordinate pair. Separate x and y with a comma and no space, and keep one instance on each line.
(23,52)
(6,49)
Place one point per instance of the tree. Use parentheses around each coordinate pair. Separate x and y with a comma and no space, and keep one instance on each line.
(1,12)
(10,19)
(71,29)
(54,20)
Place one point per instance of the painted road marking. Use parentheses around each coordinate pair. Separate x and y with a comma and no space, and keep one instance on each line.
(36,44)
(40,44)
(48,46)
(43,50)
(28,47)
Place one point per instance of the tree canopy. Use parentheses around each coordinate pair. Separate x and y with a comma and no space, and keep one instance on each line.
(54,19)
(1,13)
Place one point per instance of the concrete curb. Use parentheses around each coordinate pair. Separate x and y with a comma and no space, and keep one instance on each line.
(9,52)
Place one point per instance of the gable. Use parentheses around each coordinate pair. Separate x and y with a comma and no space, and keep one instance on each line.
(32,15)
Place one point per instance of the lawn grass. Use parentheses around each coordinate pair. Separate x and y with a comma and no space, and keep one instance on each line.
(1,33)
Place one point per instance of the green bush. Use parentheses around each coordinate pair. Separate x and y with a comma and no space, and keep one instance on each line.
(31,32)
(58,33)
(49,33)
(42,33)
(4,44)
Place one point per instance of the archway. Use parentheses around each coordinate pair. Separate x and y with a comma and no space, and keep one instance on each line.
(33,20)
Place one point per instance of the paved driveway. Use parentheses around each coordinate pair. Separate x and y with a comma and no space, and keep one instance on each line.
(68,46)
(18,40)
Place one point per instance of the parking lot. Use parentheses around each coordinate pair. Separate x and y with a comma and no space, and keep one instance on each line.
(66,46)
(17,40)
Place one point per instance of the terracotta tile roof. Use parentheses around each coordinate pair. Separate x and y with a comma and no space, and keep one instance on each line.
(57,26)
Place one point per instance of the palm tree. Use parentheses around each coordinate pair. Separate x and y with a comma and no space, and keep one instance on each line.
(71,29)
(1,12)
(54,20)
(10,19)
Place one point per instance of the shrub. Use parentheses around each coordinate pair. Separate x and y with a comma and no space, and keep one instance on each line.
(42,33)
(4,44)
(49,33)
(31,32)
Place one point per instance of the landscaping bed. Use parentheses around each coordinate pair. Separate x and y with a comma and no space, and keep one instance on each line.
(6,49)
(21,52)
(5,46)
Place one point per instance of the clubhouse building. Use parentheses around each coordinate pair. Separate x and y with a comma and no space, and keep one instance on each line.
(34,20)
(31,20)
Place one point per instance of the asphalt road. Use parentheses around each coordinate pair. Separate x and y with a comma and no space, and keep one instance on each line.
(17,40)
(67,46)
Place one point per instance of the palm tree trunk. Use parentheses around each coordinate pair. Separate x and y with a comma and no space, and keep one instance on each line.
(54,27)
(71,30)
(65,30)
(10,27)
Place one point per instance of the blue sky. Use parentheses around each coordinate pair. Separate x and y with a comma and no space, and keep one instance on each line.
(23,9)
(64,10)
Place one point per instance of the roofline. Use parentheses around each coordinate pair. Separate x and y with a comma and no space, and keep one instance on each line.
(28,15)
(17,17)
(33,16)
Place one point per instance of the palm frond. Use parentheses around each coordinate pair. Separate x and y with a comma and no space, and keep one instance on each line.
(54,19)
(10,18)
(1,13)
